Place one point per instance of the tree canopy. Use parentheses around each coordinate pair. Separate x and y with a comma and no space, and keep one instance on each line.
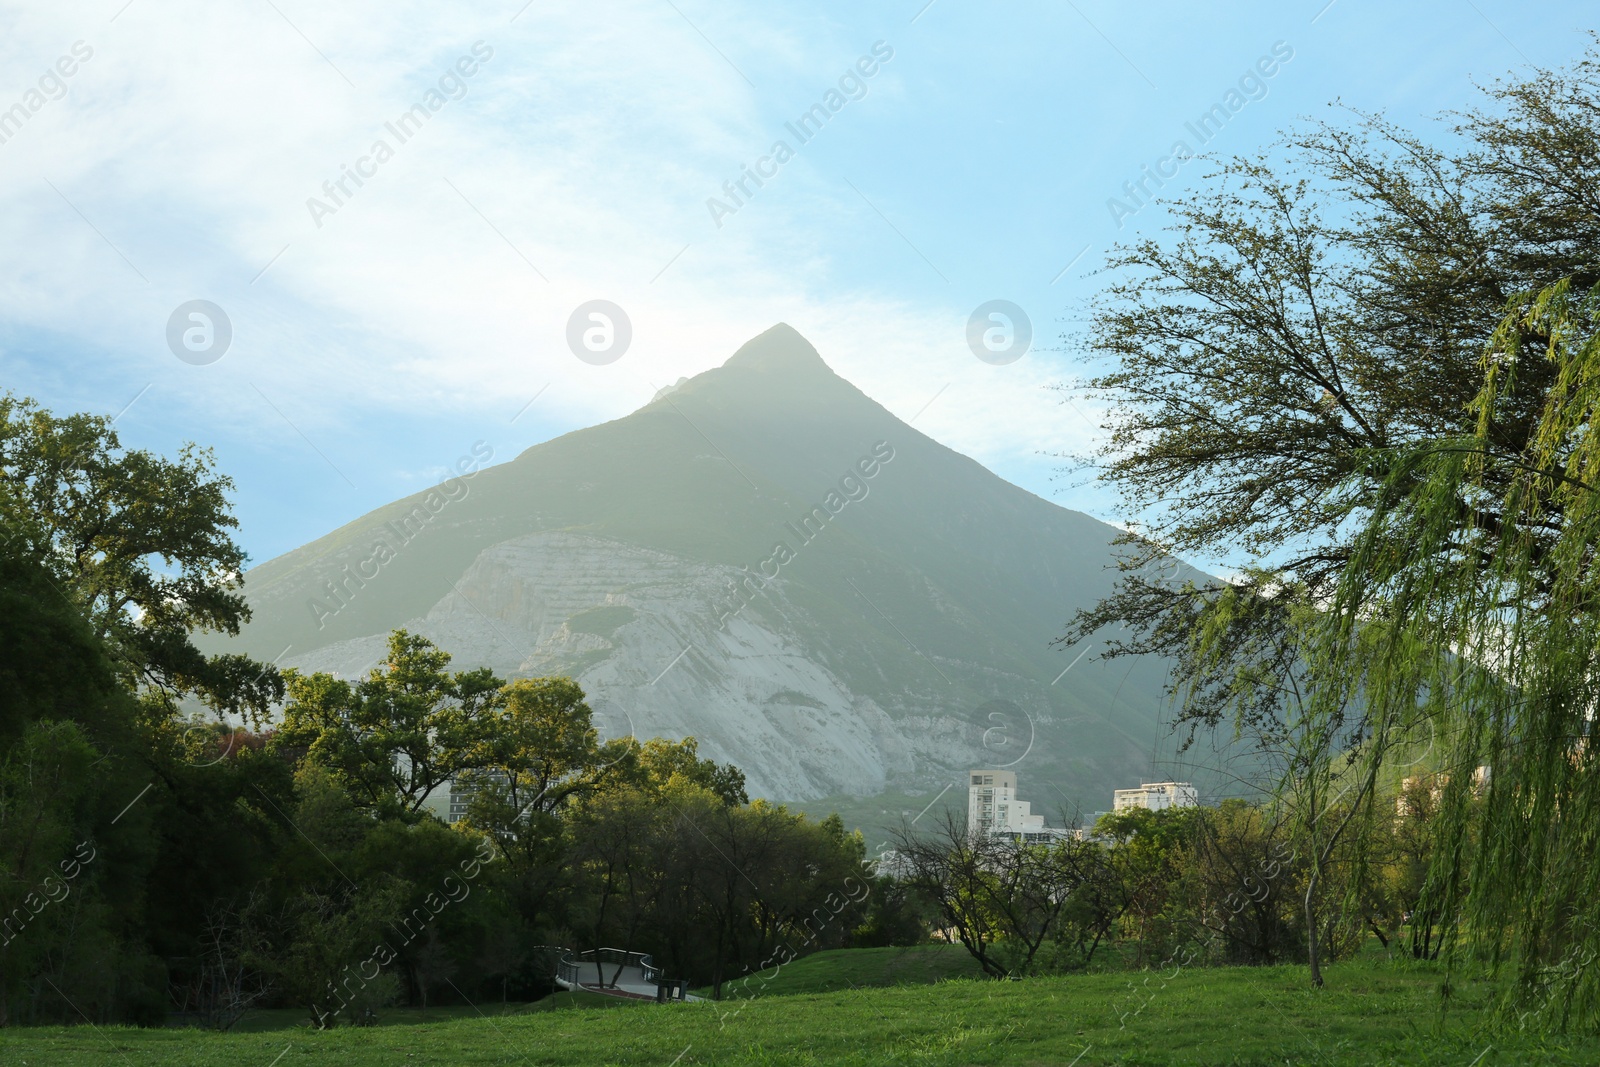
(142,545)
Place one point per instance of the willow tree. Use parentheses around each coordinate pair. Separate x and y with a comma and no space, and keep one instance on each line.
(1479,563)
(1298,391)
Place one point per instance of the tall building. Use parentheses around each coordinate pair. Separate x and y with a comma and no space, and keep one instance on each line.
(993,808)
(1156,796)
(461,794)
(991,797)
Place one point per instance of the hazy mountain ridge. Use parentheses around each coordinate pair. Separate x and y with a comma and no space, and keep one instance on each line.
(899,635)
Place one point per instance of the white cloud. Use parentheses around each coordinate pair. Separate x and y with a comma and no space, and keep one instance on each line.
(193,137)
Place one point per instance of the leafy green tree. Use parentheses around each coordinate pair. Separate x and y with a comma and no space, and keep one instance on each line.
(51,665)
(658,762)
(543,747)
(897,915)
(1007,901)
(1273,360)
(1404,857)
(1150,856)
(438,876)
(540,752)
(621,850)
(715,891)
(72,757)
(47,793)
(1249,882)
(141,544)
(1500,622)
(543,755)
(769,877)
(395,737)
(332,924)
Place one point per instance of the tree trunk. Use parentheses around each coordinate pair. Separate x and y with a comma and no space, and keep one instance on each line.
(1311,928)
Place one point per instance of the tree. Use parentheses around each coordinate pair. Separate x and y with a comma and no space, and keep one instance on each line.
(1273,361)
(1404,858)
(1248,881)
(620,847)
(432,966)
(235,964)
(99,519)
(1149,855)
(1003,899)
(328,960)
(713,890)
(657,762)
(72,756)
(51,664)
(543,759)
(1301,380)
(541,753)
(1497,610)
(46,795)
(399,734)
(542,746)
(898,915)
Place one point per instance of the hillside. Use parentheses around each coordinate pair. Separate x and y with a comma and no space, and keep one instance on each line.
(769,560)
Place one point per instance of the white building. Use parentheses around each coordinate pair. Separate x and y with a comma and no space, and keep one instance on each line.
(461,794)
(993,808)
(1156,796)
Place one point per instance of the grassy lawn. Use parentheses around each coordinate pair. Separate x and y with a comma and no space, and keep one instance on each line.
(295,1018)
(1372,1012)
(861,968)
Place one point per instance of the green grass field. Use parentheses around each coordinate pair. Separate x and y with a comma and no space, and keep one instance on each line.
(862,968)
(1372,1012)
(275,1019)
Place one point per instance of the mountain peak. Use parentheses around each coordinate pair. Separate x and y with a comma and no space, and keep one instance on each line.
(780,348)
(776,370)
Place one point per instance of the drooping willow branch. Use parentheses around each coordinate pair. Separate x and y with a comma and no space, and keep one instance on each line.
(1501,646)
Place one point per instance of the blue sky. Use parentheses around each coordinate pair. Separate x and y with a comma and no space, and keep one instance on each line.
(373,345)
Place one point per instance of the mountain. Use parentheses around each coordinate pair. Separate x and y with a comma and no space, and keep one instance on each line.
(767,559)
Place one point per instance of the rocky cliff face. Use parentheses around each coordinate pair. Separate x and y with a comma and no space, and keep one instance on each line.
(823,596)
(640,631)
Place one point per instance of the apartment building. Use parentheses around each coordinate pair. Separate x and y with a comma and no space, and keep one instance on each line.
(1156,796)
(994,808)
